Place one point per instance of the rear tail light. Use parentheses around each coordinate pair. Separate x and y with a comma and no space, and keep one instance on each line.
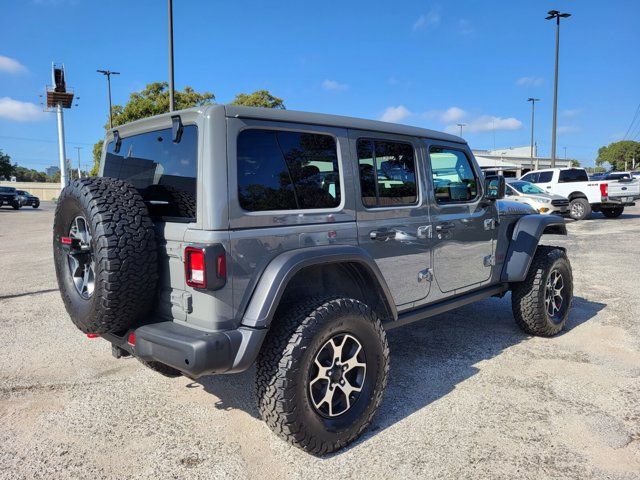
(131,339)
(205,267)
(604,189)
(92,335)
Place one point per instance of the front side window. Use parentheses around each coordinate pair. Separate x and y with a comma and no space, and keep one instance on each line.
(387,173)
(530,177)
(545,177)
(163,171)
(454,179)
(282,170)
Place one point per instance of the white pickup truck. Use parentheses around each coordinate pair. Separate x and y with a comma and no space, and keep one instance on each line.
(606,196)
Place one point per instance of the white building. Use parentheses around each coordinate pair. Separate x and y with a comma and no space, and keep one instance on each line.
(515,161)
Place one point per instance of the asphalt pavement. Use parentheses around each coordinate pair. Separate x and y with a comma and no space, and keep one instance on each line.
(469,394)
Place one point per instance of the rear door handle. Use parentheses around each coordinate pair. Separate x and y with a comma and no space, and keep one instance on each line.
(445,226)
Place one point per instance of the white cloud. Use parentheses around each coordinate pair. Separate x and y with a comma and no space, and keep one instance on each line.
(465,27)
(452,114)
(20,111)
(395,114)
(530,81)
(332,85)
(486,123)
(429,19)
(11,65)
(571,112)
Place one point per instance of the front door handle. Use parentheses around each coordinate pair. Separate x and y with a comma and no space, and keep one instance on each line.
(445,226)
(382,235)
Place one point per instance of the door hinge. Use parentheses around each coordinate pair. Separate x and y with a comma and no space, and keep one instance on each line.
(425,274)
(182,300)
(489,261)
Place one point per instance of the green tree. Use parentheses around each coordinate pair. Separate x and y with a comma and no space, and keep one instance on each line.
(574,163)
(152,100)
(259,98)
(7,169)
(620,155)
(29,175)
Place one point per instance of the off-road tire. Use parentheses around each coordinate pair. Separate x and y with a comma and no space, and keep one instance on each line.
(612,212)
(124,251)
(528,297)
(284,363)
(179,202)
(162,369)
(579,208)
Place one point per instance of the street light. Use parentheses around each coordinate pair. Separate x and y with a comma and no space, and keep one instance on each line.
(108,74)
(461,125)
(172,103)
(533,116)
(557,15)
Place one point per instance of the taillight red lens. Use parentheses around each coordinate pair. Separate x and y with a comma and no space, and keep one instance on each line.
(222,266)
(92,335)
(131,339)
(604,189)
(195,271)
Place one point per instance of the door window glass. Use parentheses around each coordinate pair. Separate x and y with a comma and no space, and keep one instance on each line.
(387,173)
(544,177)
(454,179)
(282,170)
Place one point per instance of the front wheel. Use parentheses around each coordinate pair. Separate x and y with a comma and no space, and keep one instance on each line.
(541,303)
(579,208)
(612,212)
(321,373)
(35,205)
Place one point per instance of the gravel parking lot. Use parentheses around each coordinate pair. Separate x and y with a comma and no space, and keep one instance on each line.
(469,396)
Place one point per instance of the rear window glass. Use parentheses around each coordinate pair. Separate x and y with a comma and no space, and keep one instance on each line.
(163,171)
(282,170)
(568,176)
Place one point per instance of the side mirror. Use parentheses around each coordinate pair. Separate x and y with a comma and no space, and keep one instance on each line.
(494,187)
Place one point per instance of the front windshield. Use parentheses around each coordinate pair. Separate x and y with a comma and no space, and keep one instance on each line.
(526,188)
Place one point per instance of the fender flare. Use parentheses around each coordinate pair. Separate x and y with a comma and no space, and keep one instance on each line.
(524,241)
(276,276)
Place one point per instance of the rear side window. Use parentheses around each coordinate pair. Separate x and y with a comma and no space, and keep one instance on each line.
(530,177)
(387,173)
(453,177)
(568,176)
(282,170)
(164,172)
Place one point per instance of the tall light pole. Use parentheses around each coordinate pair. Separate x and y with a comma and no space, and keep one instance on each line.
(557,15)
(533,117)
(78,149)
(108,73)
(172,104)
(461,125)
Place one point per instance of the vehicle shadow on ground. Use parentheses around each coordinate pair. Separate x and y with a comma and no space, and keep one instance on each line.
(623,217)
(428,358)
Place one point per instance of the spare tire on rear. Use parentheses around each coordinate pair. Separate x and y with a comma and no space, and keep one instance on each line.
(105,254)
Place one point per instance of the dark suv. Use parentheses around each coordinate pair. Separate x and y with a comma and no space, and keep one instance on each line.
(219,237)
(9,196)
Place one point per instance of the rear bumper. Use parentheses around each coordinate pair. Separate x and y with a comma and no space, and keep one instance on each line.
(192,351)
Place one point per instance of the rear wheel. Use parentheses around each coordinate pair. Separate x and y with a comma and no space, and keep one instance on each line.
(612,212)
(579,208)
(321,373)
(541,303)
(16,205)
(35,205)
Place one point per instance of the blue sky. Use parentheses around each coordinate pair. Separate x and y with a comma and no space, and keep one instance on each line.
(431,64)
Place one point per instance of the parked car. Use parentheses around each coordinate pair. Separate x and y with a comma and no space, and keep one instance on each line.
(542,202)
(609,196)
(27,199)
(283,239)
(9,197)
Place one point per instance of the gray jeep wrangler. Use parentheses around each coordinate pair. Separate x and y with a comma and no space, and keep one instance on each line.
(218,237)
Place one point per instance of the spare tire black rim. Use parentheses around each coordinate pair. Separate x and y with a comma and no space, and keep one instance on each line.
(80,260)
(337,375)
